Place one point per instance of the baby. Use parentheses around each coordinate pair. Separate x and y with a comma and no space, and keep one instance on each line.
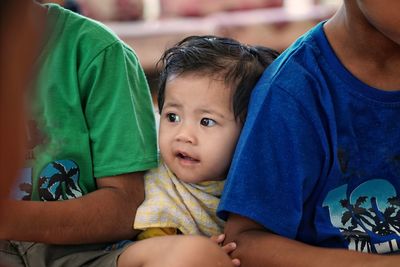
(204,90)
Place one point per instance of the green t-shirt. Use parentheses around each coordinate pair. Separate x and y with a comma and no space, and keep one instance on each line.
(92,114)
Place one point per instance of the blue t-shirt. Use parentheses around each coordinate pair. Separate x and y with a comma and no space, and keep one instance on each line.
(319,157)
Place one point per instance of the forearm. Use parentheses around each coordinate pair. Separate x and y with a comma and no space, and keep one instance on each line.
(101,216)
(259,248)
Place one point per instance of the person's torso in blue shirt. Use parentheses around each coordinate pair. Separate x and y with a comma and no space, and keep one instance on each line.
(319,157)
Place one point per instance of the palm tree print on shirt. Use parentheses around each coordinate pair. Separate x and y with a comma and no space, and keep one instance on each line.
(43,192)
(368,216)
(59,181)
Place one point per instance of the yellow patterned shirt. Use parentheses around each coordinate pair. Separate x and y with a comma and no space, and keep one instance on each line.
(173,204)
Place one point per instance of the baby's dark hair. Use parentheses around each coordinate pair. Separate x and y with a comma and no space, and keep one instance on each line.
(239,65)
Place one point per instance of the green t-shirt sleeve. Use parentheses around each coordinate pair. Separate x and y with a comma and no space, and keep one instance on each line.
(119,112)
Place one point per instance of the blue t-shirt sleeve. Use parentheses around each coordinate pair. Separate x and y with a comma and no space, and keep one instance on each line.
(277,161)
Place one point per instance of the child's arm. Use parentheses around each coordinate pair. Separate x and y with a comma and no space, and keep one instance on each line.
(100,216)
(174,250)
(258,247)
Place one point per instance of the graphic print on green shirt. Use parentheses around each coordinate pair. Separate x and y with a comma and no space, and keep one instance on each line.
(91,109)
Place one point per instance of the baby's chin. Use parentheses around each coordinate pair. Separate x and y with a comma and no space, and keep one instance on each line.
(191,178)
(195,179)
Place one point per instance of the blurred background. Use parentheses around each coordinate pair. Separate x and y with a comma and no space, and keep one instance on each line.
(151,26)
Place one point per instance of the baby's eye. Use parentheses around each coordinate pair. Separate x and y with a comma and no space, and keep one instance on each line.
(207,122)
(172,117)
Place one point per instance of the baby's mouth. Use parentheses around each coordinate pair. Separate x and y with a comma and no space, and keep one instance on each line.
(186,157)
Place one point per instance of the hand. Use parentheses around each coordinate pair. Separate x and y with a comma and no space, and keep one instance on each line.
(228,248)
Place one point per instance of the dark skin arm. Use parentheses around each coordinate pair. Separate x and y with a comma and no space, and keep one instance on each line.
(257,247)
(19,25)
(104,215)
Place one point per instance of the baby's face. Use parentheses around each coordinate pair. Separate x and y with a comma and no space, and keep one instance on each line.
(198,131)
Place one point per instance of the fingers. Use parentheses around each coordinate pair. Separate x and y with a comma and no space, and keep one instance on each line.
(228,248)
(236,262)
(218,238)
